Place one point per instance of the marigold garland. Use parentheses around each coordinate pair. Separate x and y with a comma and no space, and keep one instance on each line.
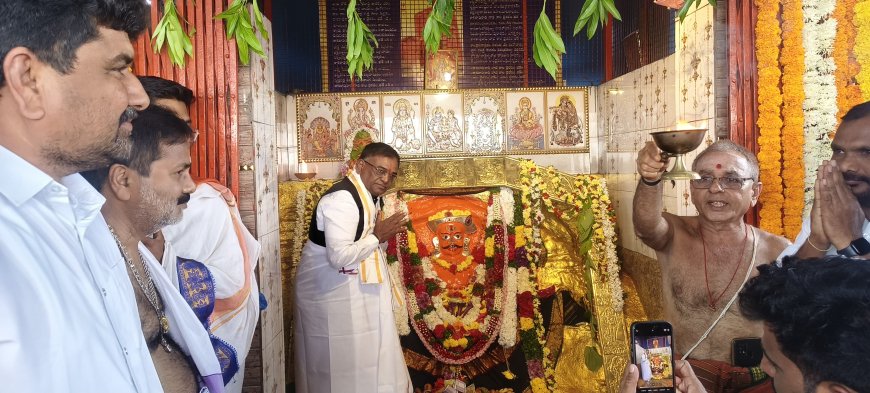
(792,60)
(862,46)
(820,90)
(849,93)
(767,44)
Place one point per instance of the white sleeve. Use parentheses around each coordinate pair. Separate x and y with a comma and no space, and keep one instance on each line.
(338,217)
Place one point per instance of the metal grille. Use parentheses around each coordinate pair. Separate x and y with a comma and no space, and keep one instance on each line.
(645,35)
(583,63)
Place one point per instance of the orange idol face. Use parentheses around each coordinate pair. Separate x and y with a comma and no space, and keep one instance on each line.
(451,236)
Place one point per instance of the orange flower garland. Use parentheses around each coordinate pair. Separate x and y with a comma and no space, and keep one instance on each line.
(767,43)
(792,60)
(849,94)
(862,46)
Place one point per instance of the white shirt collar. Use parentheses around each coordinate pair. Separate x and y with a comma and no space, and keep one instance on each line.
(22,181)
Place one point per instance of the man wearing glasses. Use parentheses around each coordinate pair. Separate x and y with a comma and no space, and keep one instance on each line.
(345,334)
(705,259)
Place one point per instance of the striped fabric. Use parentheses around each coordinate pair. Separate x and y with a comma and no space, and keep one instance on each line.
(721,377)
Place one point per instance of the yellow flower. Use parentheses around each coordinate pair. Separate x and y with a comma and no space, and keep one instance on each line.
(490,248)
(526,323)
(520,238)
(463,342)
(412,242)
(862,47)
(767,44)
(539,386)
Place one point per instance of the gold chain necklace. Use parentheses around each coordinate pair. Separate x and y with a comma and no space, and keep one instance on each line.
(150,290)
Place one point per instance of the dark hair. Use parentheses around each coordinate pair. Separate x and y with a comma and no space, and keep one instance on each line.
(379,149)
(159,88)
(154,127)
(55,29)
(819,311)
(727,146)
(857,112)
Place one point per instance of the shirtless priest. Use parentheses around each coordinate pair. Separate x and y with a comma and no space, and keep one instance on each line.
(705,259)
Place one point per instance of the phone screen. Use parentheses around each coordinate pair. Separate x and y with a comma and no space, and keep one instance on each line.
(652,351)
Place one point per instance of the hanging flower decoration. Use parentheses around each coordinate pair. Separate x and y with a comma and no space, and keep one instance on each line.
(539,363)
(849,93)
(792,60)
(767,44)
(820,104)
(862,47)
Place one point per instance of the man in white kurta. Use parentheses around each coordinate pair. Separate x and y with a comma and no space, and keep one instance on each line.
(345,335)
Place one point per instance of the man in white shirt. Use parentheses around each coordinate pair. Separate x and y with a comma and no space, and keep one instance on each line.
(346,339)
(144,193)
(840,219)
(67,98)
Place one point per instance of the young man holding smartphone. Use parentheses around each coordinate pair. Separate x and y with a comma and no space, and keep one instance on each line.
(815,313)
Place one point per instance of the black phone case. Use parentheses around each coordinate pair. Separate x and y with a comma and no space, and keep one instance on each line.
(746,352)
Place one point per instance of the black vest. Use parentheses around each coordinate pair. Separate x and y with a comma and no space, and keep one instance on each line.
(317,236)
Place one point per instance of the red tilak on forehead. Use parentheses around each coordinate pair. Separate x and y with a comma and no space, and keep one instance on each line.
(718,166)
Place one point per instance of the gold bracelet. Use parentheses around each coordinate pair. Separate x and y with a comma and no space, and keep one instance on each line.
(814,246)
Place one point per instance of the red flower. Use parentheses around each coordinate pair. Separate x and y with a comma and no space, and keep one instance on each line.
(420,287)
(439,331)
(391,247)
(525,305)
(457,334)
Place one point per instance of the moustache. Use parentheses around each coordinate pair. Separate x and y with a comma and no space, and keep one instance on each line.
(128,116)
(848,176)
(453,247)
(184,198)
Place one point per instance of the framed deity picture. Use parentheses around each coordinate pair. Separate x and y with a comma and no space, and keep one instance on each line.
(403,124)
(441,70)
(319,134)
(484,122)
(442,123)
(568,120)
(526,121)
(360,123)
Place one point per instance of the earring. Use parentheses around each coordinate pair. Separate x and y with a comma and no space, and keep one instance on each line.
(465,246)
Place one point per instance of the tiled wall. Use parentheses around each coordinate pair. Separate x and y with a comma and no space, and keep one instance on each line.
(260,107)
(678,88)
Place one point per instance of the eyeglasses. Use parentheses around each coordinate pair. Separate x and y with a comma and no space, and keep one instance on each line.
(727,182)
(382,172)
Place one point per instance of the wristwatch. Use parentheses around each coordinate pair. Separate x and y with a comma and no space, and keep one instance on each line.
(859,246)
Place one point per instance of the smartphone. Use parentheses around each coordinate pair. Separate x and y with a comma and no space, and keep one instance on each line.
(746,352)
(652,351)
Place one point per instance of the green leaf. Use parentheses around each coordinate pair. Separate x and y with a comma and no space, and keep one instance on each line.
(589,8)
(261,27)
(244,57)
(611,8)
(592,358)
(592,26)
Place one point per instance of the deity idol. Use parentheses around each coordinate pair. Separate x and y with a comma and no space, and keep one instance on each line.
(452,258)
